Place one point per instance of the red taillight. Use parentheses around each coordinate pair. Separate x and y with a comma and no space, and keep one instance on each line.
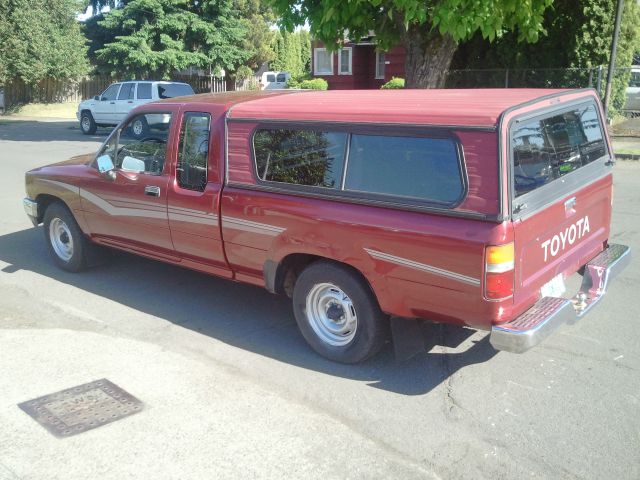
(498,286)
(499,267)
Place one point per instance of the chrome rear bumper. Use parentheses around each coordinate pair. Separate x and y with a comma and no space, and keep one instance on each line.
(537,323)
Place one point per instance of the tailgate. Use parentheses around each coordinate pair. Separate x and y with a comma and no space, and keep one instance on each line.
(562,188)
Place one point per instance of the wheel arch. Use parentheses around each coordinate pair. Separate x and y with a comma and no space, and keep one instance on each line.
(280,276)
(44,200)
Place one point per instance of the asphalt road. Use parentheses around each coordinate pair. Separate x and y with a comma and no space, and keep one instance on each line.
(232,391)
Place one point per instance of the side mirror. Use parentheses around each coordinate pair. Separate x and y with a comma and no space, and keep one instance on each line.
(133,165)
(105,164)
(96,97)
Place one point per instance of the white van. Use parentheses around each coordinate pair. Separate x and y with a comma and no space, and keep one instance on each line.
(274,80)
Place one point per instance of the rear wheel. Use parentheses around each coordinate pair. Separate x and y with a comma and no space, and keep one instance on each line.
(67,244)
(87,123)
(139,127)
(338,314)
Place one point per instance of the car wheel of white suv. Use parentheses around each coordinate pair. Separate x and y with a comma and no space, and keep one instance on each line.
(139,127)
(87,123)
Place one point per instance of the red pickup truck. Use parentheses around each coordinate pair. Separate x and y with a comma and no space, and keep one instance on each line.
(462,206)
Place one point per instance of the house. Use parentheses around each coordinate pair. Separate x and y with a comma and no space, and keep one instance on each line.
(357,65)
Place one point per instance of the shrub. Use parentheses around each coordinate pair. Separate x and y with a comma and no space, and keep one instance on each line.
(306,82)
(314,84)
(243,72)
(395,82)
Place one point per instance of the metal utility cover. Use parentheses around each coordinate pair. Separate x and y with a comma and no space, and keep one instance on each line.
(78,409)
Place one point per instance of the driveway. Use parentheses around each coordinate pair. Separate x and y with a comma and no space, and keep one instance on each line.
(230,389)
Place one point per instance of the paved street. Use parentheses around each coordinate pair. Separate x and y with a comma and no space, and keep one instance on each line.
(232,391)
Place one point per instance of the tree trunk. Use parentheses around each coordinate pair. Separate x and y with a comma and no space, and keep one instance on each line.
(428,58)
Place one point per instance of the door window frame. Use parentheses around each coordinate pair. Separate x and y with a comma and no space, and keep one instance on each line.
(119,85)
(169,152)
(174,169)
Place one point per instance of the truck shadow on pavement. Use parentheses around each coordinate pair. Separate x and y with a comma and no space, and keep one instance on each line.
(244,316)
(47,131)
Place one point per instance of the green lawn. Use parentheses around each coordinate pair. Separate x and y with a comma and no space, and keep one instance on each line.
(627,151)
(46,110)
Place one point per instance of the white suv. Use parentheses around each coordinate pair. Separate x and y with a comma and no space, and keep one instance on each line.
(113,105)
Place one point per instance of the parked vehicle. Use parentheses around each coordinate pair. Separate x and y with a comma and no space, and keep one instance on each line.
(460,206)
(274,80)
(114,104)
(633,91)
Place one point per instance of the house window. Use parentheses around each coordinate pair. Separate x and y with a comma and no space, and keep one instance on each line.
(345,56)
(380,62)
(322,62)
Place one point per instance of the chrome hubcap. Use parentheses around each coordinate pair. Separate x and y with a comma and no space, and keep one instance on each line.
(61,239)
(331,314)
(86,123)
(137,128)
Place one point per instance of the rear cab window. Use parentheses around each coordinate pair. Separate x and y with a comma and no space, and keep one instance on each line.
(397,168)
(567,143)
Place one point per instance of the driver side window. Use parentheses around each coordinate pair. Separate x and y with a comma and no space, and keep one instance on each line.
(140,145)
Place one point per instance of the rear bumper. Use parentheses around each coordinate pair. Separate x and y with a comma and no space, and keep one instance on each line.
(537,323)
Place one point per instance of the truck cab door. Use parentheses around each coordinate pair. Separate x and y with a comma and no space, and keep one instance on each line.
(194,192)
(127,206)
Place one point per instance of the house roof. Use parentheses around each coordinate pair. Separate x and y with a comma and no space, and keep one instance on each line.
(464,107)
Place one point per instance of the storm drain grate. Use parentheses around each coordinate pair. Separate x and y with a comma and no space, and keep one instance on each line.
(78,409)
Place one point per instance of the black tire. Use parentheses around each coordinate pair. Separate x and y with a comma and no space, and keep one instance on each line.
(139,128)
(372,324)
(69,230)
(87,123)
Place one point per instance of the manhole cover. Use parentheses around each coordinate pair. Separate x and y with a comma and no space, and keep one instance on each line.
(78,409)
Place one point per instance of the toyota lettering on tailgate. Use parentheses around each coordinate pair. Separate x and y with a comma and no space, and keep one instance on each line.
(566,237)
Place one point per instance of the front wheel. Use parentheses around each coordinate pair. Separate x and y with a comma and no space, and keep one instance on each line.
(87,123)
(67,244)
(338,314)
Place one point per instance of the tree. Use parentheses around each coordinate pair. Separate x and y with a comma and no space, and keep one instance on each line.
(41,39)
(429,30)
(154,38)
(292,53)
(257,18)
(578,35)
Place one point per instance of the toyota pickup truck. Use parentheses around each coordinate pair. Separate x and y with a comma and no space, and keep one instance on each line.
(469,207)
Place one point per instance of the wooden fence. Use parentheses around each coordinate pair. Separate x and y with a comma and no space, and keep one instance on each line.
(60,91)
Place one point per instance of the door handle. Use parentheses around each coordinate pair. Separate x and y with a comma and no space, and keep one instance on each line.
(152,191)
(130,101)
(112,103)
